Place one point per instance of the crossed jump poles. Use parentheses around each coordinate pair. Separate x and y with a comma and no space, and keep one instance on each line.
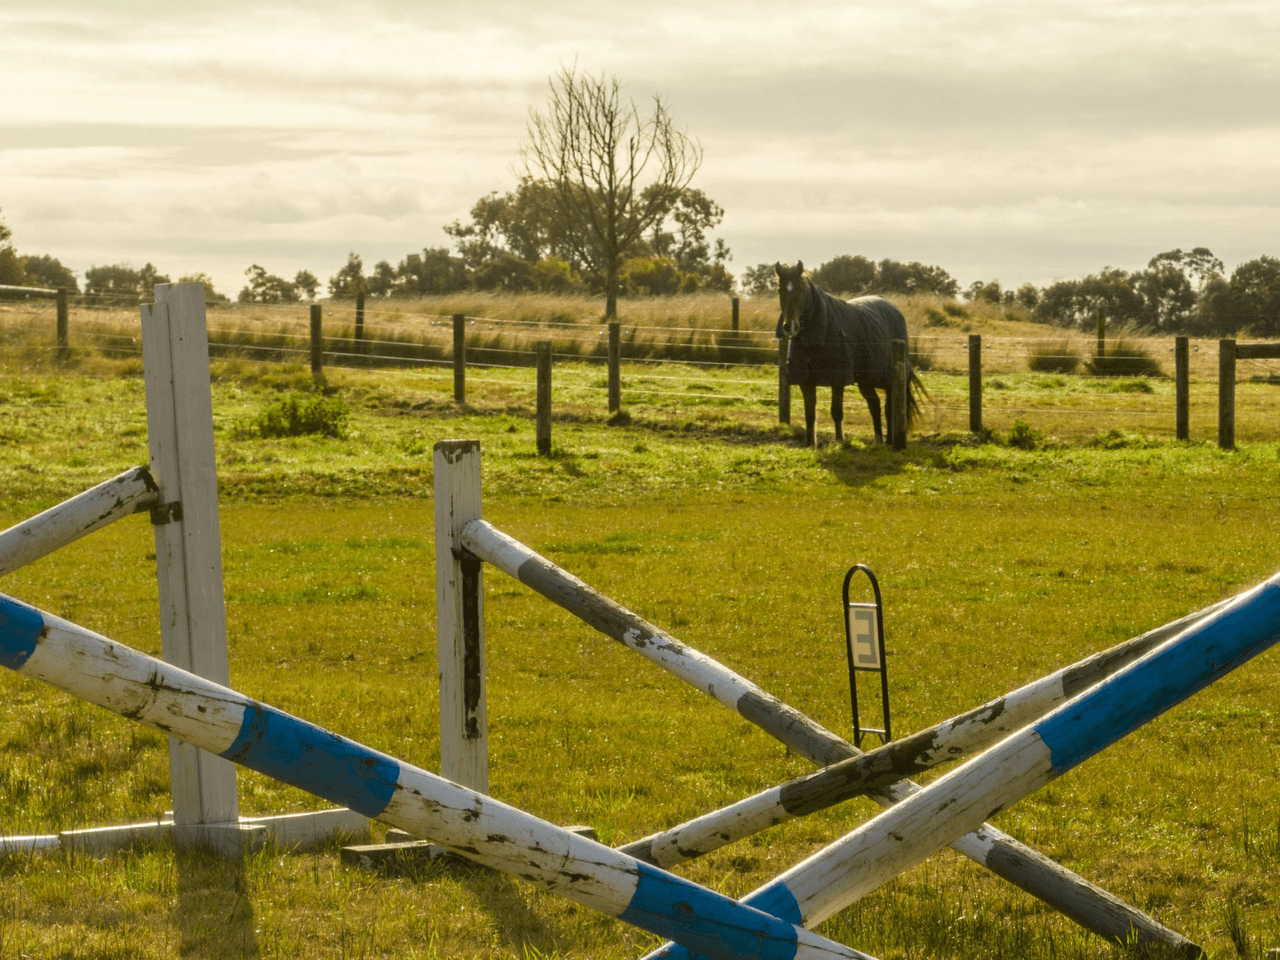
(1026,739)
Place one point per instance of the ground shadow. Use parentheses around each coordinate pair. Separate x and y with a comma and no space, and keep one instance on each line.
(214,916)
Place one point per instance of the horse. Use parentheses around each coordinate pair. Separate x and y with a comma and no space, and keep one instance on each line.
(837,342)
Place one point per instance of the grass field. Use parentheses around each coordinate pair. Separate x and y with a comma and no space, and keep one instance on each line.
(998,563)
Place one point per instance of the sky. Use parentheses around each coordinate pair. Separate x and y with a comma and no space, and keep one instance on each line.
(1015,140)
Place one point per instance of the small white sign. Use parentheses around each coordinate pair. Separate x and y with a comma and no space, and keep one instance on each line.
(864,636)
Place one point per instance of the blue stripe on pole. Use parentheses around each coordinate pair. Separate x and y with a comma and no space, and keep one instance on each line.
(1165,678)
(689,907)
(302,754)
(20,629)
(776,899)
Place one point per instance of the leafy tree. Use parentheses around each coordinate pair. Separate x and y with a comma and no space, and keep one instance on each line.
(11,272)
(350,279)
(432,271)
(1075,303)
(306,283)
(845,274)
(121,280)
(613,172)
(383,279)
(760,280)
(913,277)
(1167,295)
(985,291)
(1028,295)
(210,294)
(651,276)
(506,272)
(1199,266)
(47,271)
(266,288)
(1253,297)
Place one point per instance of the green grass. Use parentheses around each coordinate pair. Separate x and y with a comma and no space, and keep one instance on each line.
(998,565)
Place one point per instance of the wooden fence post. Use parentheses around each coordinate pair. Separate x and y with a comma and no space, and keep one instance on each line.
(317,346)
(543,436)
(898,396)
(735,315)
(193,619)
(1102,333)
(1182,387)
(1227,394)
(975,383)
(460,358)
(464,735)
(784,385)
(359,315)
(615,367)
(64,349)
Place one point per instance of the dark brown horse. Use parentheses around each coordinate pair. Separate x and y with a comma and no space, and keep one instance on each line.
(837,342)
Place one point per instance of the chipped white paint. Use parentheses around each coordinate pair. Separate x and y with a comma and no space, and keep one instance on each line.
(76,517)
(222,721)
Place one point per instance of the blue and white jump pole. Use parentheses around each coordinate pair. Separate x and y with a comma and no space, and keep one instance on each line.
(225,723)
(1021,764)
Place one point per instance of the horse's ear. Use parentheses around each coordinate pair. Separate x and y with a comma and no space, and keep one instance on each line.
(799,266)
(777,268)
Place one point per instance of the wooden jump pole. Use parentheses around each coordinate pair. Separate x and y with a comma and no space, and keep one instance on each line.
(1033,757)
(128,493)
(975,383)
(615,367)
(470,824)
(942,743)
(460,647)
(898,395)
(193,618)
(1085,903)
(460,357)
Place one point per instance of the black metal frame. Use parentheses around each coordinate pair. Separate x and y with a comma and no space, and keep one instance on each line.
(858,731)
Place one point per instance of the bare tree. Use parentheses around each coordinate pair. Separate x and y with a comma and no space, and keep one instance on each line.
(615,173)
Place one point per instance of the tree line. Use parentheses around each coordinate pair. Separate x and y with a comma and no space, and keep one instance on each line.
(605,205)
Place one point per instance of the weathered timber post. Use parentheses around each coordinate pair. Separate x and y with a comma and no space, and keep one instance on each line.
(898,396)
(460,358)
(735,315)
(193,618)
(784,385)
(359,315)
(460,649)
(1227,394)
(1102,333)
(317,346)
(615,367)
(543,435)
(975,383)
(1182,387)
(64,348)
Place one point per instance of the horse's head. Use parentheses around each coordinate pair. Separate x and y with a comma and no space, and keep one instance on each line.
(793,288)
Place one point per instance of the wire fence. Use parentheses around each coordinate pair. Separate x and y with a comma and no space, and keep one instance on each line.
(1063,382)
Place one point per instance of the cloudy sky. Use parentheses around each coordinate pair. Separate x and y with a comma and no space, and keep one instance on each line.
(1019,140)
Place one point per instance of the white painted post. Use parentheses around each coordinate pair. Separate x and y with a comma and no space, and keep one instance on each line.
(193,621)
(464,734)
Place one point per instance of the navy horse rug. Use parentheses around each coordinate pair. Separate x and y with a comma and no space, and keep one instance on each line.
(837,342)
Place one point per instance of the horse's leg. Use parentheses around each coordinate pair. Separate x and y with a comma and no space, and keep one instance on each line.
(810,393)
(837,409)
(873,404)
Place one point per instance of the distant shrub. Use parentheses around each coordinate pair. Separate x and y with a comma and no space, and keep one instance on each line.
(1124,359)
(1023,436)
(1058,357)
(292,417)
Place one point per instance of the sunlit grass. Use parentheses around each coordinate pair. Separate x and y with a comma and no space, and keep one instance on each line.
(707,517)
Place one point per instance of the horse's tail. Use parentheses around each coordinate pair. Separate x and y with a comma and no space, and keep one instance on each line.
(914,386)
